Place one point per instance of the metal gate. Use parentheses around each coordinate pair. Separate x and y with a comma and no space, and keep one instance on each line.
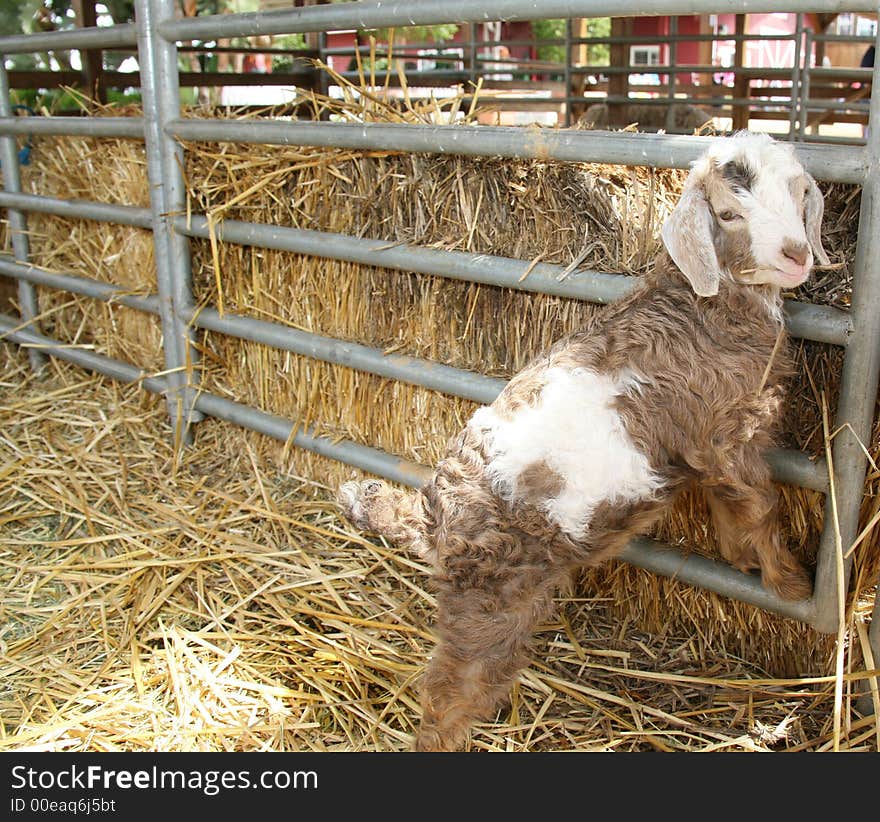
(157,34)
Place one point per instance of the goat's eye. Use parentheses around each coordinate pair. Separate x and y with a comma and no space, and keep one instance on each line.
(728,216)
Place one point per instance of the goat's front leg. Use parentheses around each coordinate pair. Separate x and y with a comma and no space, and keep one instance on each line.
(485,624)
(746,520)
(400,516)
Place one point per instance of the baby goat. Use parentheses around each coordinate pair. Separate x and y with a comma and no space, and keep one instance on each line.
(678,384)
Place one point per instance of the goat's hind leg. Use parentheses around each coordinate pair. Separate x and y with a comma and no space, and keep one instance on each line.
(746,519)
(485,624)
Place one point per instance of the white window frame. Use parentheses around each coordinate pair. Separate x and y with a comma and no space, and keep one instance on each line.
(651,53)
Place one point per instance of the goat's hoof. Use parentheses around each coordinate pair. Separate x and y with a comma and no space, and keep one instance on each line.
(351,498)
(431,741)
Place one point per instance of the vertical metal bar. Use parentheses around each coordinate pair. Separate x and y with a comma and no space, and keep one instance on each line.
(741,84)
(805,87)
(27,294)
(858,387)
(569,58)
(672,77)
(618,84)
(92,59)
(471,55)
(161,103)
(795,100)
(323,77)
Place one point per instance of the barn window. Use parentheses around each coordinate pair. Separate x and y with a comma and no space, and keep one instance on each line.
(644,56)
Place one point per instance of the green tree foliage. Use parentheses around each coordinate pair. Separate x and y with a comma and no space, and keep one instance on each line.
(27,16)
(597,54)
(10,17)
(550,30)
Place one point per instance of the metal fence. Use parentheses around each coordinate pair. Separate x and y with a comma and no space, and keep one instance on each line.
(804,96)
(157,35)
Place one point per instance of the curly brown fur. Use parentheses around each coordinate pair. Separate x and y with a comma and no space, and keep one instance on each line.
(696,383)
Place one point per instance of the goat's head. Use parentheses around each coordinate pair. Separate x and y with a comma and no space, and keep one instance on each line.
(749,212)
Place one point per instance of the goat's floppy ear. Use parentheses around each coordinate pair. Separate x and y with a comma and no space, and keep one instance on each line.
(814,208)
(687,235)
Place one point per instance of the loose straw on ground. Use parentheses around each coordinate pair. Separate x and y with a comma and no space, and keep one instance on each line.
(224,605)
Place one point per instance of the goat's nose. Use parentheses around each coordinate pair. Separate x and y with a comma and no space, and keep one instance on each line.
(796,252)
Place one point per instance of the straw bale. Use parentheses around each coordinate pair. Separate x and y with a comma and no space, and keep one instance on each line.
(219,603)
(607,217)
(111,171)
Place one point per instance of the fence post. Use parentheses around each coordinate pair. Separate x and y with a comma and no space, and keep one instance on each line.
(92,59)
(27,294)
(804,94)
(618,84)
(795,101)
(858,386)
(160,91)
(672,61)
(741,84)
(568,91)
(470,56)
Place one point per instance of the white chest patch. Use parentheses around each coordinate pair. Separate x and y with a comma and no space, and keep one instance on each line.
(574,430)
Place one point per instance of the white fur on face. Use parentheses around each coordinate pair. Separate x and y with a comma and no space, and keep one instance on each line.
(576,432)
(772,213)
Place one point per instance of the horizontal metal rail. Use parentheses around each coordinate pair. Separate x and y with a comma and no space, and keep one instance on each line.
(815,322)
(486,269)
(107,292)
(868,39)
(381,50)
(702,572)
(663,68)
(351,453)
(758,104)
(414,370)
(655,556)
(658,150)
(426,12)
(126,127)
(836,105)
(79,209)
(792,467)
(570,145)
(384,14)
(94,37)
(796,468)
(841,74)
(839,141)
(124,372)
